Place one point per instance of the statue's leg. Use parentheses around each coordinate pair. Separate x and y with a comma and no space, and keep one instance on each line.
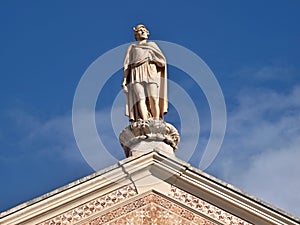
(140,93)
(152,89)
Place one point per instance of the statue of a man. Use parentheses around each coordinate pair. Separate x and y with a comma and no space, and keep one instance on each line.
(145,79)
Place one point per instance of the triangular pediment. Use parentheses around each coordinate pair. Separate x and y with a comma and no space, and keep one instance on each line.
(151,208)
(153,188)
(124,206)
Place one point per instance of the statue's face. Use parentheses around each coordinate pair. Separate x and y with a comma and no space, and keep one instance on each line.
(142,34)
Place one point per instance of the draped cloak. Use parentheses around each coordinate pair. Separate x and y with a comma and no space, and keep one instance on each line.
(137,56)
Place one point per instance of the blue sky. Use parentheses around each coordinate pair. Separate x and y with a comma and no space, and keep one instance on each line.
(252,47)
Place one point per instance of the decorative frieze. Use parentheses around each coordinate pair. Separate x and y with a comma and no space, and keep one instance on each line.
(92,207)
(151,209)
(205,208)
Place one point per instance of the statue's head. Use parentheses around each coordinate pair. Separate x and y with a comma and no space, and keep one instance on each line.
(140,32)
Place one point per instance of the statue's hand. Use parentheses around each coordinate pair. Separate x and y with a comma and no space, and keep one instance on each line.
(125,89)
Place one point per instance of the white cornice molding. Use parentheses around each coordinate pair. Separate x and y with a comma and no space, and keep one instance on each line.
(152,171)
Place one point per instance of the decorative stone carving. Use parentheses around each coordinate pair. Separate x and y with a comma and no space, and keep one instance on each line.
(144,136)
(205,208)
(145,79)
(145,86)
(151,209)
(148,209)
(95,206)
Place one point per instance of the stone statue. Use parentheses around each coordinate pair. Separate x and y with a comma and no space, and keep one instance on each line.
(145,85)
(145,79)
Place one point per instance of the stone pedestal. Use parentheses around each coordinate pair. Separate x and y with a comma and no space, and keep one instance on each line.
(141,137)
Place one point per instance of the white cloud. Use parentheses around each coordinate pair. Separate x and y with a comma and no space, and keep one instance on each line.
(268,73)
(260,152)
(274,177)
(53,138)
(261,149)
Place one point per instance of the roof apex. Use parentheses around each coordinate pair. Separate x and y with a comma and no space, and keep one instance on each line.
(156,171)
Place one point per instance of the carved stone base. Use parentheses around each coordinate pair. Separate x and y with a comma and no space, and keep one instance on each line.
(144,136)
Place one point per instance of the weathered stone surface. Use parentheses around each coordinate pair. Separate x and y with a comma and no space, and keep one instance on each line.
(188,196)
(141,137)
(95,206)
(145,79)
(151,209)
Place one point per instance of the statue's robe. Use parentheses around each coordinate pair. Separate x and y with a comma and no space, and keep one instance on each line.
(144,62)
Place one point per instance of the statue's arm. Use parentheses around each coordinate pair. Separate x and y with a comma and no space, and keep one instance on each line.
(126,70)
(124,83)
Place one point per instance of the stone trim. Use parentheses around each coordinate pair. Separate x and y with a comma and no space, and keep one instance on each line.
(164,136)
(151,209)
(205,208)
(92,207)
